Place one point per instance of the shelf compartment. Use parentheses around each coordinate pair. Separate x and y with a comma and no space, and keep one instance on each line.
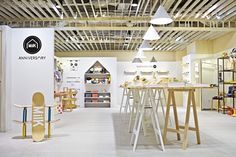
(97,97)
(97,104)
(227,70)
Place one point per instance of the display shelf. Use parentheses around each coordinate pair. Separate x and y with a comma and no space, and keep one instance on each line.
(227,70)
(97,97)
(229,83)
(97,92)
(97,84)
(97,104)
(97,74)
(224,73)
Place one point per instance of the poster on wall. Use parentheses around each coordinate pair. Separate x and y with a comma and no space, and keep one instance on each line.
(74,63)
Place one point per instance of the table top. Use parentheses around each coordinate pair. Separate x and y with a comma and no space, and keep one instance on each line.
(174,85)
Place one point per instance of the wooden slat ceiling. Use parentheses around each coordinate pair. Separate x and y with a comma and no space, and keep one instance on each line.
(117,25)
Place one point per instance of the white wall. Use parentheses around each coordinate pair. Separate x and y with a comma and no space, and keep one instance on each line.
(30,76)
(5,81)
(110,63)
(174,69)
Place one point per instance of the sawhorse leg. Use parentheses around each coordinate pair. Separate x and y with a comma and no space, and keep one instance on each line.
(171,99)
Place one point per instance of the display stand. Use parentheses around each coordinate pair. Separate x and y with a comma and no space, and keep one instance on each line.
(226,88)
(97,83)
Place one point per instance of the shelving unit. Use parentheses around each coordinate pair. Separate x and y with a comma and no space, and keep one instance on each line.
(97,99)
(186,71)
(224,74)
(97,74)
(97,80)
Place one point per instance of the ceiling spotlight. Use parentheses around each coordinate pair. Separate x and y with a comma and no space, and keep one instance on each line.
(218,17)
(151,34)
(197,15)
(208,17)
(135,3)
(61,16)
(58,6)
(75,16)
(178,39)
(161,17)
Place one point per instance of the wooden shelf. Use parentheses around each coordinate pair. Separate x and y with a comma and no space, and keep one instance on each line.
(97,92)
(227,71)
(97,104)
(227,83)
(97,74)
(97,97)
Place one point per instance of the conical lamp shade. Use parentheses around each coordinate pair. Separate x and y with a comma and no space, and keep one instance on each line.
(140,54)
(151,34)
(137,60)
(161,17)
(145,45)
(153,59)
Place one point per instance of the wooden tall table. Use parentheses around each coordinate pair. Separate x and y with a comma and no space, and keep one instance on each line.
(191,104)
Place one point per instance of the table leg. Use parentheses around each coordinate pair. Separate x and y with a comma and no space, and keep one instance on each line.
(122,100)
(167,116)
(195,118)
(175,114)
(186,128)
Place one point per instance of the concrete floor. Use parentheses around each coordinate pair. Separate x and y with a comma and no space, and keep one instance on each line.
(103,133)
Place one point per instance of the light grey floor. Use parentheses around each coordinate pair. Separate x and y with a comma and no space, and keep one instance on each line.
(103,133)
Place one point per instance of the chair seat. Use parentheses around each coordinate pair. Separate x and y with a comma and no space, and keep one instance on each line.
(217,97)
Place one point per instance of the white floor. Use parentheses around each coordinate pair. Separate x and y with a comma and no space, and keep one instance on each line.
(103,133)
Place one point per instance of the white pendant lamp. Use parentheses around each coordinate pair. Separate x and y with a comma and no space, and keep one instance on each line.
(140,54)
(145,45)
(153,60)
(161,17)
(137,60)
(151,34)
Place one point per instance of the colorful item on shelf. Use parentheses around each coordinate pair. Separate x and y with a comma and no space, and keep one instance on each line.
(230,110)
(234,114)
(59,108)
(58,76)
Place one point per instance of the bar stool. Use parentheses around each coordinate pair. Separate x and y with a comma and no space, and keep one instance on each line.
(145,101)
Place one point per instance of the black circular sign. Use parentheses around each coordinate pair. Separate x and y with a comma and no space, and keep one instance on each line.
(32,44)
(154,66)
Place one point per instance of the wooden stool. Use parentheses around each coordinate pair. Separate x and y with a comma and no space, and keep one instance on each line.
(186,127)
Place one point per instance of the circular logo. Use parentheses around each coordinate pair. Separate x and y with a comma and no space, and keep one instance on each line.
(154,66)
(32,44)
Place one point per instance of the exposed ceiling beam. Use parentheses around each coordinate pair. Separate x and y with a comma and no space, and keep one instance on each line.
(215,29)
